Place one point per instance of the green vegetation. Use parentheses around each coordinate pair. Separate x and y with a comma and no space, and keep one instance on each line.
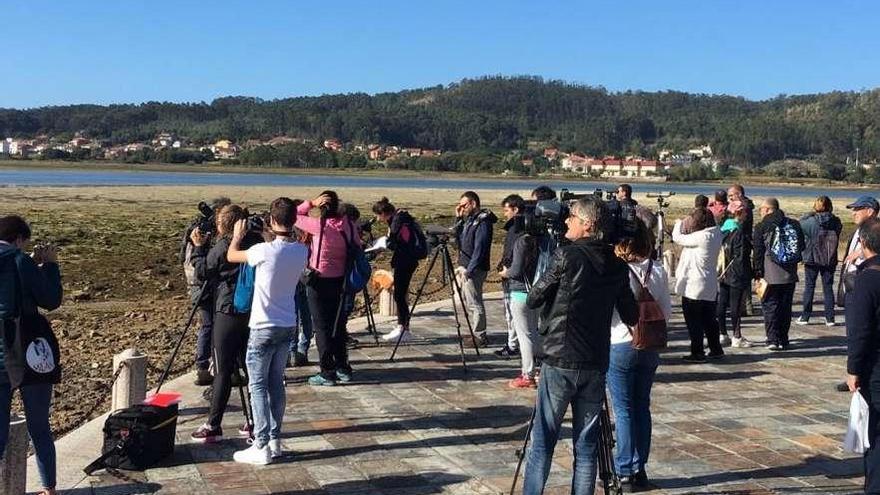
(482,120)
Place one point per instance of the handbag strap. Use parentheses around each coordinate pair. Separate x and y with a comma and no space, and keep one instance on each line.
(19,286)
(323,223)
(647,277)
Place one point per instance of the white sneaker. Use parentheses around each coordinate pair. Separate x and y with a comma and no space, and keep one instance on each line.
(254,455)
(802,321)
(741,343)
(724,339)
(275,449)
(392,335)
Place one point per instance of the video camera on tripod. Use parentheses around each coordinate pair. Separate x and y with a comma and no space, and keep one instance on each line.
(547,217)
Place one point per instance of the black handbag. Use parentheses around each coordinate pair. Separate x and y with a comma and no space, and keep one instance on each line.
(137,438)
(32,355)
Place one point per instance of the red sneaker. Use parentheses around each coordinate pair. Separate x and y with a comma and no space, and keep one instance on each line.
(522,381)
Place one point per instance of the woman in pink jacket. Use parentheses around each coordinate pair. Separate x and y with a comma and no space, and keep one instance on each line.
(331,233)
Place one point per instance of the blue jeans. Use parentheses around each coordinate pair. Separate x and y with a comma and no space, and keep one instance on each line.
(810,274)
(267,352)
(36,399)
(584,390)
(303,337)
(630,377)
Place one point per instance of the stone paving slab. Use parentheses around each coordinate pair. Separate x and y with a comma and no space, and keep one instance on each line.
(754,423)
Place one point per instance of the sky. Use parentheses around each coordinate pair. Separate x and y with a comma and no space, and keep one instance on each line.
(68,52)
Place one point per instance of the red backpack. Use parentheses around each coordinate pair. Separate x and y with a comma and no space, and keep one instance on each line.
(649,333)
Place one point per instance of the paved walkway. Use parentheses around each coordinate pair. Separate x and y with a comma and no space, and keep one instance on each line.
(755,423)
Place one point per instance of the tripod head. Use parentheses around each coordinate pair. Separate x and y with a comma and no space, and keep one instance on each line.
(661,197)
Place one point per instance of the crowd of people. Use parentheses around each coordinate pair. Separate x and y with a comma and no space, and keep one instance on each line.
(301,255)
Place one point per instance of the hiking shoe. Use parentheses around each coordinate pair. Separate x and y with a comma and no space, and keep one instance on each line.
(522,381)
(802,321)
(352,343)
(208,434)
(480,341)
(774,347)
(238,380)
(740,343)
(842,387)
(343,376)
(714,356)
(690,358)
(507,352)
(830,323)
(275,449)
(259,456)
(320,381)
(724,339)
(246,430)
(204,378)
(300,359)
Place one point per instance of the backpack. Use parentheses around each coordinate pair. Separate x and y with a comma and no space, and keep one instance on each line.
(650,332)
(824,248)
(419,241)
(243,295)
(784,247)
(137,438)
(358,269)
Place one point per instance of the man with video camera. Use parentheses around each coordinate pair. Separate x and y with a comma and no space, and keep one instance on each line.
(204,222)
(473,231)
(578,294)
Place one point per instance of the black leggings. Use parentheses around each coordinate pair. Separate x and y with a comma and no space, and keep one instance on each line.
(324,299)
(230,344)
(402,277)
(732,298)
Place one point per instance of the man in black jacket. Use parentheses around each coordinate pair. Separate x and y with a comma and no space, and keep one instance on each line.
(863,344)
(578,293)
(474,235)
(775,236)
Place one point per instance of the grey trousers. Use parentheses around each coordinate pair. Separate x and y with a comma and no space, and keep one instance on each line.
(525,323)
(472,290)
(511,331)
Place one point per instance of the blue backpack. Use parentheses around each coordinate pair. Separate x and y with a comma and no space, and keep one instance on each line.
(243,296)
(784,248)
(358,268)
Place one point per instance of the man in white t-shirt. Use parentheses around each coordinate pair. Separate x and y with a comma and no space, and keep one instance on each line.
(279,263)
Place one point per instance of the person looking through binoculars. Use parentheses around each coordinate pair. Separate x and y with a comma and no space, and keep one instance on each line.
(406,240)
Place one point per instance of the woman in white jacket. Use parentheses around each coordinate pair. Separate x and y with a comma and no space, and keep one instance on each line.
(631,371)
(696,281)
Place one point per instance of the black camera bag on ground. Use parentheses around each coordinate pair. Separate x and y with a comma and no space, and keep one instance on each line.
(137,438)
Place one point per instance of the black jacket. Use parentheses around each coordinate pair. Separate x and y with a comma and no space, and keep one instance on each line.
(211,267)
(578,292)
(813,223)
(474,235)
(737,247)
(762,261)
(863,321)
(404,254)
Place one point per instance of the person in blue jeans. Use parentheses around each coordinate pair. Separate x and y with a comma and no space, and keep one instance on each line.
(40,287)
(582,286)
(279,264)
(631,371)
(299,345)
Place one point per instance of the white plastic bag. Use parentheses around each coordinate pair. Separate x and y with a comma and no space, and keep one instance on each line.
(856,440)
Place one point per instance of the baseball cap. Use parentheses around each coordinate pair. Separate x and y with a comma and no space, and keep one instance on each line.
(864,202)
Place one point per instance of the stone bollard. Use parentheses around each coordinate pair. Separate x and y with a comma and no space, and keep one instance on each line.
(386,303)
(131,386)
(13,467)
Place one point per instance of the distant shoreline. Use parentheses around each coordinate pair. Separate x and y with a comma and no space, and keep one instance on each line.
(816,184)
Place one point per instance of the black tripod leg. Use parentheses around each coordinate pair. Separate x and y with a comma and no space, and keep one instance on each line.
(192,315)
(610,481)
(467,319)
(415,301)
(244,394)
(521,454)
(371,319)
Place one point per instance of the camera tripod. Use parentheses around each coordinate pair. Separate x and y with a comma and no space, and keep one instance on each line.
(243,391)
(371,318)
(607,475)
(447,277)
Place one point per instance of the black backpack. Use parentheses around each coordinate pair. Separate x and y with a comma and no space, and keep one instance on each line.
(419,242)
(137,438)
(824,248)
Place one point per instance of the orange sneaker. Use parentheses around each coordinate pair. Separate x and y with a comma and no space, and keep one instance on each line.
(522,381)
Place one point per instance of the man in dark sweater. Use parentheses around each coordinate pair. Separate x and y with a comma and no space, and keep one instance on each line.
(863,344)
(474,234)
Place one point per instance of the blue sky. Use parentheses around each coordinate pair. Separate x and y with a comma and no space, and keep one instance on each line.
(62,52)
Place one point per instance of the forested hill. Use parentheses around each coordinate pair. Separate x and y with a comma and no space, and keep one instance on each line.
(500,113)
